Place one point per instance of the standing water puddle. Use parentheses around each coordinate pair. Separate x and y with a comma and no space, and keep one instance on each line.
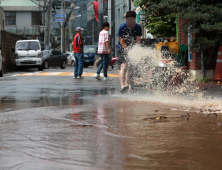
(110,134)
(90,128)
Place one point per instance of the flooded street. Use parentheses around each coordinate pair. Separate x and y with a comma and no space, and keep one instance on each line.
(51,123)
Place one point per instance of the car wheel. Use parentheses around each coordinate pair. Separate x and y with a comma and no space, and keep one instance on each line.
(1,72)
(72,63)
(46,64)
(63,64)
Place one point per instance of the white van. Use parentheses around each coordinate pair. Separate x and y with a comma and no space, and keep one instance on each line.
(28,53)
(1,62)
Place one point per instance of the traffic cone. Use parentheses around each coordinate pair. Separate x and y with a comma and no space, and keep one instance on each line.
(218,69)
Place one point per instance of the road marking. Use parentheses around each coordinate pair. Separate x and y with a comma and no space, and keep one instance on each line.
(64,74)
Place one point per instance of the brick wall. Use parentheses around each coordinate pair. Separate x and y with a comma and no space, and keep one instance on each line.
(195,64)
(8,41)
(183,39)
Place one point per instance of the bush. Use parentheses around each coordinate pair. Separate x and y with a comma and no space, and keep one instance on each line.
(203,80)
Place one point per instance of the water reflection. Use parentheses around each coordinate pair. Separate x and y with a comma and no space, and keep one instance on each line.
(119,138)
(50,97)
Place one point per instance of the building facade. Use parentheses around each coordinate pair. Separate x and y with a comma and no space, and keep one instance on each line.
(24,17)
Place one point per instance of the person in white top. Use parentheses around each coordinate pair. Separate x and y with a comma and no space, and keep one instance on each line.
(104,51)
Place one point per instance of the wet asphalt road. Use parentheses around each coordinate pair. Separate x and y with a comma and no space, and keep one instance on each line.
(48,120)
(21,90)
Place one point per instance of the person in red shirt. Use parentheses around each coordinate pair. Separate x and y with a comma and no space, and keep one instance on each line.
(78,53)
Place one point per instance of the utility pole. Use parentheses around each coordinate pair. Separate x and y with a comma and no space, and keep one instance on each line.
(64,31)
(113,24)
(50,25)
(71,20)
(61,28)
(47,25)
(129,5)
(45,4)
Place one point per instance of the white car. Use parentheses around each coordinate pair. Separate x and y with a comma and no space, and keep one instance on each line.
(28,53)
(1,62)
(71,59)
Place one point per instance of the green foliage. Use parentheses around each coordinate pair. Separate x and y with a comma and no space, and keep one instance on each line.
(204,17)
(160,21)
(203,80)
(162,25)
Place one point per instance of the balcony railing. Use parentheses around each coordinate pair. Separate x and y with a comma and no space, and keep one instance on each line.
(25,30)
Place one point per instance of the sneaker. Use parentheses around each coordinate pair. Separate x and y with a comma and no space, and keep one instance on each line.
(107,78)
(124,89)
(80,77)
(98,77)
(74,77)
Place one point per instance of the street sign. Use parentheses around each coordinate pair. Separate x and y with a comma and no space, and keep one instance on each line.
(60,15)
(59,20)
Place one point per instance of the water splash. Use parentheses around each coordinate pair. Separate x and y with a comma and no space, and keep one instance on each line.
(160,73)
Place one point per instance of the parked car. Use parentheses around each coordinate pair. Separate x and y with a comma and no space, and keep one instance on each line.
(90,51)
(1,62)
(67,53)
(71,59)
(53,58)
(28,53)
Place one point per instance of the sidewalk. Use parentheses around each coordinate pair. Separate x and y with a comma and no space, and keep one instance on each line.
(210,88)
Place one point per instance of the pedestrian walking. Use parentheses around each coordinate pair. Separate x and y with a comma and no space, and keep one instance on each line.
(78,53)
(129,34)
(104,51)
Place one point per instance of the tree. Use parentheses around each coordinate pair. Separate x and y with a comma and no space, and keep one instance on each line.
(204,17)
(159,21)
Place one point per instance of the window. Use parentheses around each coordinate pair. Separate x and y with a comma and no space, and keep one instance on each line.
(34,45)
(90,50)
(45,52)
(22,46)
(36,18)
(10,18)
(28,45)
(56,52)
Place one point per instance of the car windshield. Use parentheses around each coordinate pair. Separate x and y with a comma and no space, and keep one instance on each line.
(45,53)
(90,50)
(28,45)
